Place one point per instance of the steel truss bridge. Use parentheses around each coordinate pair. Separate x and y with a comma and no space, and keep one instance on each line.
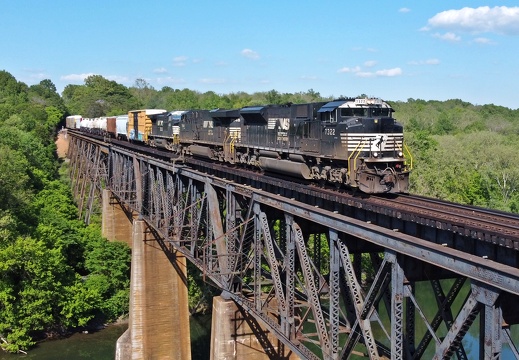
(296,268)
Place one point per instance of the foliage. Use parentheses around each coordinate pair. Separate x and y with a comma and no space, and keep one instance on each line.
(463,152)
(55,273)
(30,277)
(200,293)
(99,97)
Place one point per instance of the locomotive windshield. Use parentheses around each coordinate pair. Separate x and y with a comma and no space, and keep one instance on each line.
(345,112)
(376,111)
(365,112)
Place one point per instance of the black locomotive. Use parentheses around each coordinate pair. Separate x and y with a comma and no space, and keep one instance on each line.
(352,142)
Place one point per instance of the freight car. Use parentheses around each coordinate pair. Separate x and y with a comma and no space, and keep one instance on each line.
(116,127)
(139,124)
(73,121)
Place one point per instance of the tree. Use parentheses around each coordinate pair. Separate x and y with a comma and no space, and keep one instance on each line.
(14,180)
(144,93)
(30,280)
(45,93)
(273,97)
(99,97)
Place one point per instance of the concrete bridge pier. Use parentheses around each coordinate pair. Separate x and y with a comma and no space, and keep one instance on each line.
(116,224)
(159,316)
(236,336)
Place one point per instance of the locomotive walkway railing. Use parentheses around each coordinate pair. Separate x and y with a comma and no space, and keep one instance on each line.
(300,270)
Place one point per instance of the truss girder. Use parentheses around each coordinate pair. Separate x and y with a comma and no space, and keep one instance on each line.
(311,290)
(273,263)
(358,301)
(89,174)
(267,253)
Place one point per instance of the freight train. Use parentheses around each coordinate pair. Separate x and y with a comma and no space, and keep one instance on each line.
(351,142)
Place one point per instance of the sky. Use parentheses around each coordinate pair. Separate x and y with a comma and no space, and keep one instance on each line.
(394,50)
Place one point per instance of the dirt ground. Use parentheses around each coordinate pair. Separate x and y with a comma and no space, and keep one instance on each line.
(62,144)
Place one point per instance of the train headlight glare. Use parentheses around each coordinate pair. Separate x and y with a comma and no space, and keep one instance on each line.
(375,154)
(400,154)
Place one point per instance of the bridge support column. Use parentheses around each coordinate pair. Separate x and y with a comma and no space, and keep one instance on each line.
(115,223)
(159,315)
(235,337)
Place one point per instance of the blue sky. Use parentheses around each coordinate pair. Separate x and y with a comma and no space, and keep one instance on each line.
(431,50)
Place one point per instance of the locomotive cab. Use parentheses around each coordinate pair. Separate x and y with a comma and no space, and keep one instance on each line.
(365,141)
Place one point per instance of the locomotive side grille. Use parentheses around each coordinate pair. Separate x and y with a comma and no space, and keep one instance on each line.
(370,141)
(235,132)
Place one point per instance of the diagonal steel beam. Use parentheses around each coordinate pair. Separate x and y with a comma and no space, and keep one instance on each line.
(358,301)
(312,292)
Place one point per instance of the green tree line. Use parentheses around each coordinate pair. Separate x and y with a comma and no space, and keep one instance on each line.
(56,274)
(463,153)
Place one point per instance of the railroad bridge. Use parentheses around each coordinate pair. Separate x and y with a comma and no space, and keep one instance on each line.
(291,259)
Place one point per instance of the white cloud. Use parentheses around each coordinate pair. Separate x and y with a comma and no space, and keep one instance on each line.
(425,62)
(365,74)
(389,72)
(250,54)
(483,40)
(309,77)
(432,62)
(349,70)
(370,63)
(404,10)
(447,37)
(117,78)
(160,70)
(76,77)
(180,60)
(169,80)
(499,19)
(38,75)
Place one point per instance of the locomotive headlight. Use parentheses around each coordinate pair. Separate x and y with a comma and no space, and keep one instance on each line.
(400,154)
(375,154)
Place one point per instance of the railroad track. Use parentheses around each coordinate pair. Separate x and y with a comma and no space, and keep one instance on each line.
(490,220)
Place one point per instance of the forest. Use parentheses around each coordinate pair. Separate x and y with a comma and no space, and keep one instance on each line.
(58,275)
